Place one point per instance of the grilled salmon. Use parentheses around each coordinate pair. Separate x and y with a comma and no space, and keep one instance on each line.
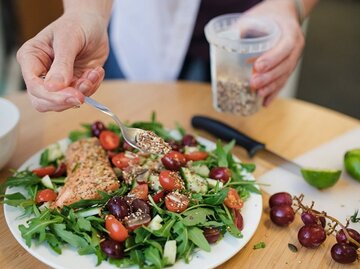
(88,171)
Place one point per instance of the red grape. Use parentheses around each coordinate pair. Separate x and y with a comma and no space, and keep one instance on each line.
(341,237)
(112,249)
(97,127)
(173,160)
(311,236)
(282,215)
(280,198)
(212,235)
(309,218)
(189,140)
(343,253)
(220,173)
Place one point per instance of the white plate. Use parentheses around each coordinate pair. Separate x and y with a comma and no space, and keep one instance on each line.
(69,258)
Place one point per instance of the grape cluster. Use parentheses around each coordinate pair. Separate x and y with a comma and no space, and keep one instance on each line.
(314,231)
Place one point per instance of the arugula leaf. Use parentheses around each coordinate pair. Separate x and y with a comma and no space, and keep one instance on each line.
(217,198)
(182,238)
(228,147)
(38,226)
(140,234)
(221,154)
(84,224)
(68,236)
(196,235)
(53,242)
(152,255)
(22,178)
(259,245)
(196,216)
(137,257)
(354,218)
(231,227)
(252,188)
(44,157)
(16,199)
(250,167)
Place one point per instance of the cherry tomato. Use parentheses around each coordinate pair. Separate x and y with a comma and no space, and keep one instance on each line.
(238,219)
(116,229)
(173,160)
(123,160)
(141,191)
(159,196)
(233,200)
(44,171)
(46,195)
(109,140)
(60,170)
(170,180)
(196,156)
(220,173)
(176,202)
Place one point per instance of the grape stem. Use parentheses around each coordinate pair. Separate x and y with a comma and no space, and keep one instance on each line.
(325,215)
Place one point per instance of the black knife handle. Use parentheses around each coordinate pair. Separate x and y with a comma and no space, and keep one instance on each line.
(227,133)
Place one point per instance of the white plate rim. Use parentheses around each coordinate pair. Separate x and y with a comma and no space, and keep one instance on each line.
(224,250)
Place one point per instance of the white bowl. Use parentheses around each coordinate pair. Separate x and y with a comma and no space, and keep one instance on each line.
(9,121)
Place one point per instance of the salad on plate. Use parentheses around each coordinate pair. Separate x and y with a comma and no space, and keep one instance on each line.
(99,196)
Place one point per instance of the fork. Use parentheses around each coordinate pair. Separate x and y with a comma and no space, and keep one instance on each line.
(128,133)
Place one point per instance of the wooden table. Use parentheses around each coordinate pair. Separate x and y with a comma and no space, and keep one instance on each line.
(288,127)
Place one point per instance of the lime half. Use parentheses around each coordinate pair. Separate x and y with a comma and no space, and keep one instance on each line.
(320,178)
(352,163)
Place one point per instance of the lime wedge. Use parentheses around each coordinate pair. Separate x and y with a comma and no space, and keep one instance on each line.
(352,163)
(320,178)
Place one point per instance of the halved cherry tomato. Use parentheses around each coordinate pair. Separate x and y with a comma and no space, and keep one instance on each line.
(44,171)
(238,219)
(233,200)
(123,160)
(141,191)
(170,180)
(176,202)
(159,196)
(60,170)
(46,195)
(173,160)
(116,229)
(109,140)
(196,156)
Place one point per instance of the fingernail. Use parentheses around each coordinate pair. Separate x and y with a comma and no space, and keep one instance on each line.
(84,87)
(261,66)
(73,101)
(93,76)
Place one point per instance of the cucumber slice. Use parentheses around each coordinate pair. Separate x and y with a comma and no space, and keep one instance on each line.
(213,182)
(92,211)
(201,170)
(155,223)
(154,182)
(170,252)
(194,182)
(46,181)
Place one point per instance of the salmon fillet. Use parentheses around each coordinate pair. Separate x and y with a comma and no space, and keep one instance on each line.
(88,171)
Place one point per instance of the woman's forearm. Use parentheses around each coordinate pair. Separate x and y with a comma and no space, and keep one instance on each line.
(99,7)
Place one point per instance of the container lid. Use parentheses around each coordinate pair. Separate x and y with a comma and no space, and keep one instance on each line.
(242,33)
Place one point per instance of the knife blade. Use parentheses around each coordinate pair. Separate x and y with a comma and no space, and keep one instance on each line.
(227,133)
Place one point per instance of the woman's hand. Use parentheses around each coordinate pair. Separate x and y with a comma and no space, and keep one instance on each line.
(274,67)
(69,53)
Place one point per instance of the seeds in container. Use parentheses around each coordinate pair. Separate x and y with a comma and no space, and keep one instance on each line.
(236,97)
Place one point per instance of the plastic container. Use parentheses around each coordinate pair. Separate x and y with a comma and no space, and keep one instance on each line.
(236,41)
